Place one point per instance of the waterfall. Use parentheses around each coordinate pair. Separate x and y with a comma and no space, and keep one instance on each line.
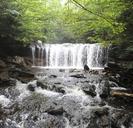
(69,55)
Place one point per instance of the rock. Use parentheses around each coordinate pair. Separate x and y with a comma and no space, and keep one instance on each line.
(86,68)
(56,111)
(130,71)
(57,83)
(101,111)
(4,75)
(120,118)
(42,85)
(23,76)
(7,82)
(59,88)
(89,89)
(107,70)
(121,98)
(99,118)
(94,72)
(105,90)
(10,47)
(56,86)
(31,87)
(61,70)
(78,75)
(2,64)
(52,76)
(51,122)
(113,66)
(3,114)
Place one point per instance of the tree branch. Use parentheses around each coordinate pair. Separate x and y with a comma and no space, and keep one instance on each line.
(84,8)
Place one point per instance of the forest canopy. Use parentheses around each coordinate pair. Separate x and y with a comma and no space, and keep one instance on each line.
(86,21)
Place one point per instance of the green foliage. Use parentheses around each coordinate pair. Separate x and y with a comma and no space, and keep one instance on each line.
(8,19)
(32,20)
(99,17)
(126,17)
(51,21)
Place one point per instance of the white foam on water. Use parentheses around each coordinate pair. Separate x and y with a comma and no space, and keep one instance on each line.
(122,126)
(4,101)
(75,91)
(47,92)
(22,88)
(118,88)
(66,67)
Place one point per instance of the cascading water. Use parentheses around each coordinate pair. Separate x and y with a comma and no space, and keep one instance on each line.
(69,55)
(64,98)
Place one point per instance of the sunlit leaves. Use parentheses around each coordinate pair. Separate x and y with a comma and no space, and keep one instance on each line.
(56,20)
(98,15)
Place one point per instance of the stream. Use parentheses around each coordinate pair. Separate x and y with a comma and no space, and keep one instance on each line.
(63,97)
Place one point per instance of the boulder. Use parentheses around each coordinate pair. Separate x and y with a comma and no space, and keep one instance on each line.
(56,86)
(59,88)
(55,111)
(31,87)
(24,76)
(89,89)
(99,118)
(120,117)
(86,68)
(105,89)
(42,84)
(7,82)
(78,75)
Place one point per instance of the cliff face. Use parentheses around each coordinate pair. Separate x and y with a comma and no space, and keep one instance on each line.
(9,47)
(121,55)
(15,62)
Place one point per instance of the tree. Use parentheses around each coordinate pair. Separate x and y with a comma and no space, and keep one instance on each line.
(8,19)
(51,21)
(96,20)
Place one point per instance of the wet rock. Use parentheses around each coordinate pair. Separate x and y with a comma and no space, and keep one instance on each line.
(21,75)
(56,111)
(86,68)
(52,76)
(31,87)
(57,82)
(35,102)
(78,75)
(55,86)
(7,82)
(121,118)
(94,72)
(101,111)
(2,64)
(61,70)
(58,88)
(3,113)
(99,118)
(4,75)
(42,84)
(114,66)
(52,122)
(89,89)
(105,90)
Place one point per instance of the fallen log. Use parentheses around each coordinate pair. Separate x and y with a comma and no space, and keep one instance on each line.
(122,92)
